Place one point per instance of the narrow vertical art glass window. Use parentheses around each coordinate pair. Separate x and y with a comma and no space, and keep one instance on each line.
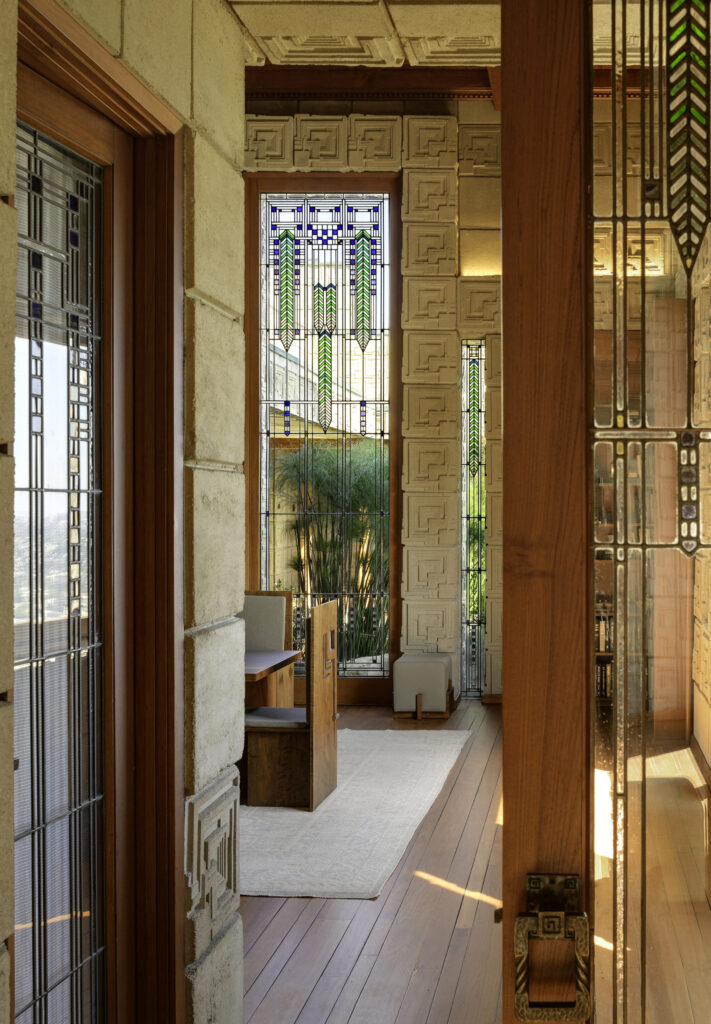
(650,438)
(474,521)
(58,639)
(324,413)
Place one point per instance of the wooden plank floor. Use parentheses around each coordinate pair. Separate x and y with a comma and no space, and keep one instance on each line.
(426,951)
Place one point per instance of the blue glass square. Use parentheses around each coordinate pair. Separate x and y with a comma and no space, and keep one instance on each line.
(73,202)
(36,259)
(273,227)
(375,209)
(299,209)
(74,238)
(312,209)
(74,321)
(36,310)
(274,209)
(350,209)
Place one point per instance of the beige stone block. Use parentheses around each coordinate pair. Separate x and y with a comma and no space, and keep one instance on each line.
(480,253)
(431,411)
(494,609)
(7,877)
(432,465)
(429,303)
(214,983)
(8,102)
(214,226)
(430,626)
(431,357)
(320,143)
(374,143)
(479,112)
(214,702)
(157,45)
(429,249)
(494,465)
(432,572)
(7,490)
(214,384)
(8,261)
(430,142)
(432,518)
(461,34)
(480,203)
(478,307)
(480,150)
(492,360)
(211,861)
(493,413)
(342,33)
(269,143)
(429,195)
(494,568)
(493,672)
(494,514)
(214,545)
(101,17)
(218,77)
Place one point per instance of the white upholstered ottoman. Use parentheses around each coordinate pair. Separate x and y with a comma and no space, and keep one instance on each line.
(422,686)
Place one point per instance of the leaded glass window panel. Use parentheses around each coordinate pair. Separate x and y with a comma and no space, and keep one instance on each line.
(58,719)
(324,413)
(473,521)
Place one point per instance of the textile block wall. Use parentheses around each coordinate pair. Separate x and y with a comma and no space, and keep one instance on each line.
(189,53)
(439,155)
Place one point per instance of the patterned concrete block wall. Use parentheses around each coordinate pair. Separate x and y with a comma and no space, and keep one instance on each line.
(190,53)
(440,310)
(701,660)
(479,318)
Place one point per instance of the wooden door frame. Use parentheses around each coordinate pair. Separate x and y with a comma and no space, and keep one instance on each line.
(351,689)
(547,627)
(73,90)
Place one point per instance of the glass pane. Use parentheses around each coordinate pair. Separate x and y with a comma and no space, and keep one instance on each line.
(473,521)
(324,413)
(58,709)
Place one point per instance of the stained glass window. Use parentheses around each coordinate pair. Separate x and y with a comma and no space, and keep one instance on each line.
(474,521)
(58,637)
(324,413)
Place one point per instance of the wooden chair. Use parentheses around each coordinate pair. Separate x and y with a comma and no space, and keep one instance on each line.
(277,690)
(291,753)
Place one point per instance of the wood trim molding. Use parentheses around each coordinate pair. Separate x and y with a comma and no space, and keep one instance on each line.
(54,44)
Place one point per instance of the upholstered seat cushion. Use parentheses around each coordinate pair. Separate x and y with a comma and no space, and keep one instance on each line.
(417,672)
(275,718)
(264,622)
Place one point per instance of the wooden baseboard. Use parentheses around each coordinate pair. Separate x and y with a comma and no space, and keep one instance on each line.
(704,766)
(491,698)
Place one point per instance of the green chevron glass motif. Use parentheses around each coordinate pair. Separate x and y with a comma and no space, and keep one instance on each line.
(286,288)
(474,415)
(688,124)
(325,325)
(361,308)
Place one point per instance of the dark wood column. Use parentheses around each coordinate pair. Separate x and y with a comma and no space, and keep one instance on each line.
(546,630)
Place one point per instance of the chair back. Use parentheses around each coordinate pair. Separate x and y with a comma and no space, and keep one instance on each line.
(322,698)
(265,622)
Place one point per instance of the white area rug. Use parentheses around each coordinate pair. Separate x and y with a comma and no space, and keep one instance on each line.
(350,845)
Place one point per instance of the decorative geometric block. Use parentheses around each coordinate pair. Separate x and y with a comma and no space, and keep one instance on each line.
(494,465)
(430,142)
(430,625)
(493,412)
(432,465)
(320,143)
(461,51)
(431,411)
(269,144)
(478,307)
(211,859)
(492,359)
(429,249)
(431,519)
(480,150)
(429,195)
(374,143)
(432,572)
(431,357)
(429,303)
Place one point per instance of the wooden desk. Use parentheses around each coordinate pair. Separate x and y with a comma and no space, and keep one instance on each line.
(269,678)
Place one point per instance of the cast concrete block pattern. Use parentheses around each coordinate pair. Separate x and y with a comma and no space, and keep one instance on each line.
(429,195)
(321,141)
(430,142)
(480,150)
(269,144)
(430,248)
(374,143)
(431,465)
(431,410)
(432,357)
(430,517)
(431,572)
